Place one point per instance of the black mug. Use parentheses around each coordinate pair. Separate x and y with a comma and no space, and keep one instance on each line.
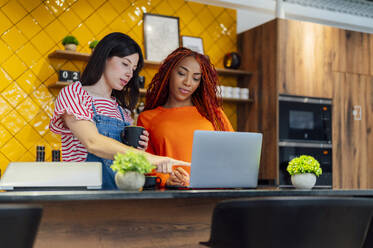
(151,182)
(131,135)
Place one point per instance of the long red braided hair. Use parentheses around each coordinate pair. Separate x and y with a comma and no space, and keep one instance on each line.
(204,98)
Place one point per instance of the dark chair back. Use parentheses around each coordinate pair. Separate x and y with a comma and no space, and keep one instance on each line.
(18,225)
(291,222)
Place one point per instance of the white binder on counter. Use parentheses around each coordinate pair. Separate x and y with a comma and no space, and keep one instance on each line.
(52,175)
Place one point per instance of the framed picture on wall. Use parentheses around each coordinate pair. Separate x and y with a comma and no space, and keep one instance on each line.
(193,43)
(161,36)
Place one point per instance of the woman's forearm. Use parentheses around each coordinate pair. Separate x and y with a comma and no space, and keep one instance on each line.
(106,147)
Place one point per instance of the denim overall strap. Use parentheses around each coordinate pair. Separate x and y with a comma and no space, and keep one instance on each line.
(109,127)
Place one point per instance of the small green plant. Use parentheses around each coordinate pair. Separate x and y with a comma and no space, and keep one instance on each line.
(93,44)
(131,161)
(70,40)
(304,164)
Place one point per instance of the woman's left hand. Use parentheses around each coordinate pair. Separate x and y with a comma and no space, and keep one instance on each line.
(144,140)
(178,177)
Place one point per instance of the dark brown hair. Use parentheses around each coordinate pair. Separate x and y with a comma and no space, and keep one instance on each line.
(120,45)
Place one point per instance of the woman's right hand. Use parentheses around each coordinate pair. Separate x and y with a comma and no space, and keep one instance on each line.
(164,164)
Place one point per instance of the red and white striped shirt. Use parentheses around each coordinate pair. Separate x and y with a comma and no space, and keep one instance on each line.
(76,101)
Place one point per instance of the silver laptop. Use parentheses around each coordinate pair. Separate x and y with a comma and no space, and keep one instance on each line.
(225,159)
(52,175)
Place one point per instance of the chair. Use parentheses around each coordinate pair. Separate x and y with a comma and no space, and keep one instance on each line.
(291,222)
(18,225)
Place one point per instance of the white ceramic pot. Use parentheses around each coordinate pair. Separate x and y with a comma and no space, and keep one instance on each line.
(70,47)
(303,181)
(133,181)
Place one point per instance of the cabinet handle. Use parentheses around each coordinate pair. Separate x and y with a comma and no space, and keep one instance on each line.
(356,112)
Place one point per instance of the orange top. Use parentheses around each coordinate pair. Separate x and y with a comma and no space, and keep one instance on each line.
(171,132)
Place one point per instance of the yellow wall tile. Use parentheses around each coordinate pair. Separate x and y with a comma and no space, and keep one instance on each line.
(5,136)
(13,150)
(30,5)
(42,96)
(14,94)
(14,11)
(28,109)
(164,8)
(95,23)
(4,161)
(5,107)
(83,9)
(107,12)
(119,6)
(13,122)
(14,67)
(28,54)
(69,19)
(27,157)
(39,29)
(5,23)
(28,81)
(5,79)
(41,123)
(42,70)
(29,26)
(83,34)
(43,43)
(56,31)
(43,15)
(14,38)
(5,51)
(29,137)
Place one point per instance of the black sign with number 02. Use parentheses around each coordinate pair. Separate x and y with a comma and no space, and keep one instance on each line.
(69,76)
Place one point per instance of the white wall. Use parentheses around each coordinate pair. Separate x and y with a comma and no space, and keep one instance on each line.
(251,13)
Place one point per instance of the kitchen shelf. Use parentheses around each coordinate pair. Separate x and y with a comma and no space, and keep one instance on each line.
(65,54)
(60,84)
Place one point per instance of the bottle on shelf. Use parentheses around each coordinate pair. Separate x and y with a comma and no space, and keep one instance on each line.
(56,155)
(40,154)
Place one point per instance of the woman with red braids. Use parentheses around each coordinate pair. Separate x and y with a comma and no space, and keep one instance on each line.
(181,98)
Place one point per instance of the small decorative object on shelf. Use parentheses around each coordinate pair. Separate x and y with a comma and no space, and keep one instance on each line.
(193,43)
(93,44)
(130,168)
(56,155)
(232,60)
(40,153)
(233,93)
(161,35)
(303,171)
(68,76)
(70,42)
(141,82)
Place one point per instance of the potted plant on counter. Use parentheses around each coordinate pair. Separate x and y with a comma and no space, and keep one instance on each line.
(70,42)
(130,168)
(303,171)
(93,44)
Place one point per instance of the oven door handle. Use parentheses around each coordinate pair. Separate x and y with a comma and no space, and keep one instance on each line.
(299,144)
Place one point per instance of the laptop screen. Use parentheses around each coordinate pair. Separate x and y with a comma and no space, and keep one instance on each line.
(225,159)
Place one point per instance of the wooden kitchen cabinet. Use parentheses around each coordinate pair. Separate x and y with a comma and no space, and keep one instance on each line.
(352,131)
(307,59)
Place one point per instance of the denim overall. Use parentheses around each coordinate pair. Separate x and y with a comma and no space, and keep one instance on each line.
(110,127)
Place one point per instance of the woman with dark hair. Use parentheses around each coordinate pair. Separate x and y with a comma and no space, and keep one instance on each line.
(181,98)
(90,115)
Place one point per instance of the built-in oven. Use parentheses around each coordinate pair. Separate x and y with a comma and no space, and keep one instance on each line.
(305,119)
(321,152)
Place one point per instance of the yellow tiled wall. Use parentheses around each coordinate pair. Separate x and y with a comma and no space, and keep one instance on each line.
(31,29)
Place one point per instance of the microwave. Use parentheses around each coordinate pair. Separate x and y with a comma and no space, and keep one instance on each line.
(305,119)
